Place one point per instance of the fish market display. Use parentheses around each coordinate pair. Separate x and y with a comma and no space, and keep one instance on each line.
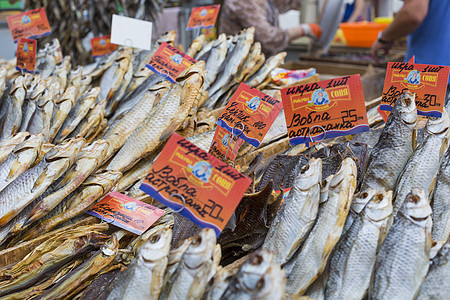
(78,20)
(356,217)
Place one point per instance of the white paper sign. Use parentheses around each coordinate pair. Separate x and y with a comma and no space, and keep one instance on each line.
(131,32)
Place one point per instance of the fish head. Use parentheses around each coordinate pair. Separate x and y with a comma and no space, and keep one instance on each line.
(38,90)
(69,95)
(168,37)
(200,249)
(361,199)
(54,45)
(14,139)
(75,73)
(157,246)
(34,141)
(348,168)
(254,268)
(325,186)
(438,126)
(68,149)
(86,80)
(111,246)
(379,207)
(416,208)
(405,107)
(193,75)
(310,174)
(96,150)
(92,93)
(107,180)
(18,86)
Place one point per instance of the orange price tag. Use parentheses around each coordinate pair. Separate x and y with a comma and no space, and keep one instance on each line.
(26,55)
(203,17)
(125,212)
(101,45)
(251,112)
(29,24)
(222,144)
(169,62)
(384,114)
(325,109)
(428,82)
(195,184)
(285,195)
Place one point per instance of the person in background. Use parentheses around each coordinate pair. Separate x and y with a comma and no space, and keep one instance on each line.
(425,22)
(353,11)
(263,15)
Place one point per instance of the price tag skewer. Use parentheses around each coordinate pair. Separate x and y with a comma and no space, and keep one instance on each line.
(231,138)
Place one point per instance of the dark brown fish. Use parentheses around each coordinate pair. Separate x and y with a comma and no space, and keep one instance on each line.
(252,225)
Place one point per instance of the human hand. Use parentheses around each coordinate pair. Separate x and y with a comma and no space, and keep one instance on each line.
(379,46)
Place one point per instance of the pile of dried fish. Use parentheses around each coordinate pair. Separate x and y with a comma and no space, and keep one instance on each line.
(365,215)
(76,22)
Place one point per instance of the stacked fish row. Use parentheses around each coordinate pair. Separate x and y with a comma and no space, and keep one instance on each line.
(59,149)
(75,22)
(69,137)
(381,242)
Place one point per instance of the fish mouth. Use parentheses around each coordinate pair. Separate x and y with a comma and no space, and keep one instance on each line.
(418,219)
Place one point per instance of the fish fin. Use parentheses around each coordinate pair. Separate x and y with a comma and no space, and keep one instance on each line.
(432,186)
(8,217)
(169,131)
(414,138)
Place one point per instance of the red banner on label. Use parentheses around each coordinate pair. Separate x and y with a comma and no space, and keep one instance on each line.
(169,62)
(203,17)
(26,55)
(428,82)
(125,212)
(29,24)
(101,45)
(251,112)
(384,114)
(196,184)
(223,146)
(325,109)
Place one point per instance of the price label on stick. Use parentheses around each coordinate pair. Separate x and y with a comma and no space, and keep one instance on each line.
(325,109)
(29,24)
(26,55)
(203,17)
(131,32)
(195,184)
(169,62)
(428,82)
(101,45)
(125,212)
(251,112)
(225,145)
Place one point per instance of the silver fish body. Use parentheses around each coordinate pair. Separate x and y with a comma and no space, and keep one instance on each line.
(77,113)
(232,63)
(435,285)
(21,159)
(33,183)
(215,60)
(310,260)
(403,259)
(143,278)
(423,164)
(394,147)
(441,205)
(297,213)
(353,259)
(192,274)
(12,118)
(258,278)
